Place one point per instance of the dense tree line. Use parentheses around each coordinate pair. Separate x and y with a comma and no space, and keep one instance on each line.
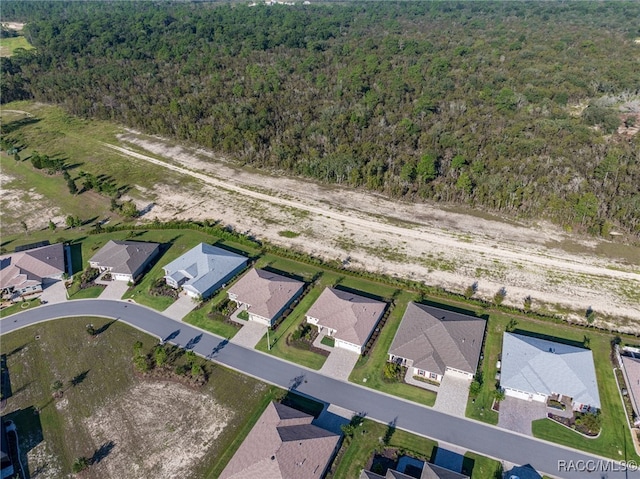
(512,107)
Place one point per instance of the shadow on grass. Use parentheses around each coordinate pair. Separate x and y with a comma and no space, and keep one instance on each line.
(357,292)
(29,431)
(79,378)
(221,244)
(102,452)
(555,339)
(452,309)
(76,257)
(286,274)
(17,124)
(104,327)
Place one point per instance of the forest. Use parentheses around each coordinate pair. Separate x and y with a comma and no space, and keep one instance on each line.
(526,109)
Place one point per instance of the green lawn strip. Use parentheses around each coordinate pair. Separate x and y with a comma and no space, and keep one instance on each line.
(91,292)
(9,45)
(21,306)
(371,367)
(305,271)
(481,467)
(278,338)
(200,318)
(366,439)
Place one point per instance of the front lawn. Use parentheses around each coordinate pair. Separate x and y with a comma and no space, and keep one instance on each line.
(201,318)
(369,369)
(21,306)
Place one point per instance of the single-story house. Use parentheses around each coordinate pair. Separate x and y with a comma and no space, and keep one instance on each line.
(429,471)
(347,317)
(631,371)
(433,341)
(534,369)
(124,260)
(203,269)
(24,272)
(284,444)
(264,295)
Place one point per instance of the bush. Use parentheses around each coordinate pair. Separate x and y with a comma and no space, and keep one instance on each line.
(80,464)
(244,315)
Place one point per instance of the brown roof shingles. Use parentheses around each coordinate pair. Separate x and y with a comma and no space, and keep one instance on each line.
(352,316)
(283,444)
(267,293)
(435,339)
(29,267)
(125,257)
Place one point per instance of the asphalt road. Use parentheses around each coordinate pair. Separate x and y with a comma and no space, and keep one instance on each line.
(472,435)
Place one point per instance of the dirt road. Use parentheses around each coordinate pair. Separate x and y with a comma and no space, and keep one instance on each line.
(417,241)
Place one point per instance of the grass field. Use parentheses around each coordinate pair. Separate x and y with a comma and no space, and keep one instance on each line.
(101,370)
(21,306)
(369,369)
(9,45)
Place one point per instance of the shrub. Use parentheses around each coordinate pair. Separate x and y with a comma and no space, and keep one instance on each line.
(80,464)
(244,315)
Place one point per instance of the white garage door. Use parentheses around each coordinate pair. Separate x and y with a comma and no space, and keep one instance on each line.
(349,346)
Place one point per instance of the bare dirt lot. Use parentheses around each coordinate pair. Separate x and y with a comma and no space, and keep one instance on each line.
(416,241)
(159,416)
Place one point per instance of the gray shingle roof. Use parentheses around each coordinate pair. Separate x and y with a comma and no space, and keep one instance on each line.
(282,445)
(352,316)
(266,292)
(539,366)
(429,471)
(204,265)
(125,257)
(435,339)
(29,267)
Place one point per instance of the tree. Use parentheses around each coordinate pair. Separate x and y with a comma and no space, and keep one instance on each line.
(475,387)
(527,303)
(471,290)
(161,356)
(52,226)
(391,370)
(498,298)
(56,387)
(590,315)
(71,185)
(428,168)
(196,370)
(24,226)
(91,330)
(80,464)
(499,395)
(464,183)
(129,209)
(16,156)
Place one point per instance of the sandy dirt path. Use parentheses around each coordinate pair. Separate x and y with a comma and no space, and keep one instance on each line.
(416,241)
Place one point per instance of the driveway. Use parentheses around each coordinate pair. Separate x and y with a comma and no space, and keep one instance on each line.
(181,307)
(249,334)
(114,289)
(339,364)
(517,414)
(471,435)
(453,394)
(54,293)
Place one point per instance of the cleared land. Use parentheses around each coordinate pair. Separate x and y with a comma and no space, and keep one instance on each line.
(562,273)
(9,45)
(108,414)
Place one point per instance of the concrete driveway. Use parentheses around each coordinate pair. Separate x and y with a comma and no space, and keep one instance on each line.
(181,307)
(517,414)
(249,334)
(114,289)
(339,364)
(54,293)
(453,394)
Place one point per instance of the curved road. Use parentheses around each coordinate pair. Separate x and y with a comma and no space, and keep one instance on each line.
(467,433)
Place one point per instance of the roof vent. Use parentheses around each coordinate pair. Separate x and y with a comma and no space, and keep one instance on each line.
(273,458)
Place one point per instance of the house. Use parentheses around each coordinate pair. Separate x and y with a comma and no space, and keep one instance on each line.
(283,444)
(535,369)
(26,271)
(124,260)
(347,317)
(265,295)
(631,370)
(203,269)
(429,471)
(433,341)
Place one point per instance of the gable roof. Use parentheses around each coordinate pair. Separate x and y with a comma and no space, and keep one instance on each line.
(204,266)
(539,366)
(283,444)
(352,316)
(429,471)
(29,267)
(435,339)
(124,257)
(266,292)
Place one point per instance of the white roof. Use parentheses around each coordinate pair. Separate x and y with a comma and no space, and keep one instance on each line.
(539,366)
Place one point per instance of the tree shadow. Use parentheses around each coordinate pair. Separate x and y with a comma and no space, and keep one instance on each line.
(296,382)
(75,251)
(193,341)
(104,327)
(102,452)
(17,124)
(5,379)
(89,221)
(391,429)
(79,378)
(214,352)
(357,292)
(171,336)
(285,274)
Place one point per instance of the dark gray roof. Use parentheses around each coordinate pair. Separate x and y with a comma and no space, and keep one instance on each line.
(435,339)
(429,471)
(540,366)
(125,257)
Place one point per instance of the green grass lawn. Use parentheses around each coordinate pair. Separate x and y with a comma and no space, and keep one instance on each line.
(366,439)
(200,318)
(62,350)
(611,438)
(86,293)
(9,45)
(21,306)
(481,467)
(370,367)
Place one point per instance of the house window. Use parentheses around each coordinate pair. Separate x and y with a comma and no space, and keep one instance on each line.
(433,376)
(421,372)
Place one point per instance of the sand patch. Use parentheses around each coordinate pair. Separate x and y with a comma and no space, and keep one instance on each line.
(156,429)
